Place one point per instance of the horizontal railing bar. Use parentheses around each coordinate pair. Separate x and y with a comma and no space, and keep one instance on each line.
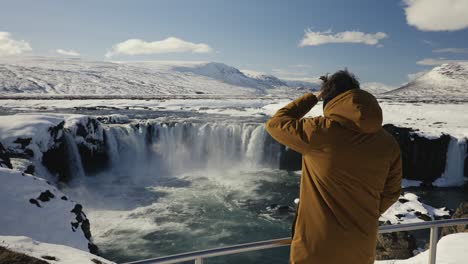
(274,243)
(266,244)
(422,225)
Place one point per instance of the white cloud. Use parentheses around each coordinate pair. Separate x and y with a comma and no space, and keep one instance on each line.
(168,45)
(10,46)
(437,15)
(435,62)
(451,50)
(315,38)
(67,52)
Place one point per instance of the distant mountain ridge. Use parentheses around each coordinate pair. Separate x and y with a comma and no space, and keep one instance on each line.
(446,80)
(65,76)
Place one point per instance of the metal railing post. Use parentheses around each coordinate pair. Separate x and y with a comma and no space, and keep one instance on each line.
(433,244)
(199,260)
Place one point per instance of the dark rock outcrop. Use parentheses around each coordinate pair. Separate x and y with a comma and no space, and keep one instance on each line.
(46,196)
(82,220)
(92,149)
(93,160)
(460,212)
(397,245)
(35,202)
(55,160)
(30,169)
(4,158)
(423,159)
(290,160)
(24,142)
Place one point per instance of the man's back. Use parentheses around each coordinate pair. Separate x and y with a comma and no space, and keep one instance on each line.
(351,173)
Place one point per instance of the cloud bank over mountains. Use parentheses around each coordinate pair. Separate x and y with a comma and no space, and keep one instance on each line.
(168,45)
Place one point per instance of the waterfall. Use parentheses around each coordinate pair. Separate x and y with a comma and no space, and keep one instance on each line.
(75,165)
(149,148)
(454,168)
(255,146)
(175,147)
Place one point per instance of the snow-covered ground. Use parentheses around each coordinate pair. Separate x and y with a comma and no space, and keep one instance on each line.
(431,119)
(451,249)
(49,252)
(61,76)
(34,208)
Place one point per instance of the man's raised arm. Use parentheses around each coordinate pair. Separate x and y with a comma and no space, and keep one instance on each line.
(289,128)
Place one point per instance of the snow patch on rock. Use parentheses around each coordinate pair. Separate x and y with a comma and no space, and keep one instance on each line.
(408,209)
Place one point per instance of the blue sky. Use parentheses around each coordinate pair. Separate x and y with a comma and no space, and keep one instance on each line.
(262,35)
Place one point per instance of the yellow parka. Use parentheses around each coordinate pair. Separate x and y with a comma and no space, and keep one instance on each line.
(351,174)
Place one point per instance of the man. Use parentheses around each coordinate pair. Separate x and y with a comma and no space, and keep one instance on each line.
(351,172)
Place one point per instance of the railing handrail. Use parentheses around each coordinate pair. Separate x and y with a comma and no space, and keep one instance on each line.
(199,255)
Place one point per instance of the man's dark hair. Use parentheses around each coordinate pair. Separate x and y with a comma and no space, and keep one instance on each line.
(337,83)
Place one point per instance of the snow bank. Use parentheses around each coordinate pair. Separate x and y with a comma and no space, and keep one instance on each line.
(61,253)
(47,219)
(451,249)
(408,209)
(28,131)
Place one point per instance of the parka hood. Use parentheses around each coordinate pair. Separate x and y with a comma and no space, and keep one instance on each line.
(355,109)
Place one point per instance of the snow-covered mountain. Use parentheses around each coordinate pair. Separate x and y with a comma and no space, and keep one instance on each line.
(447,80)
(65,76)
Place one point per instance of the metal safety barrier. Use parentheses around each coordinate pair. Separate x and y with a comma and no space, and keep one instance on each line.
(199,256)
